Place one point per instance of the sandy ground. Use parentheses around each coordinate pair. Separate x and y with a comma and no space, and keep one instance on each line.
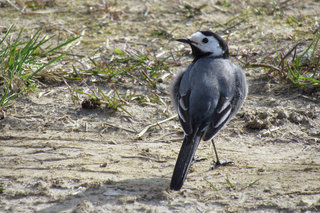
(57,157)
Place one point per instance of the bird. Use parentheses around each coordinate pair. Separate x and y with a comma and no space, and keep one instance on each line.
(206,96)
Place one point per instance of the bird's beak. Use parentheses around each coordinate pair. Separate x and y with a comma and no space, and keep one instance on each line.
(184,40)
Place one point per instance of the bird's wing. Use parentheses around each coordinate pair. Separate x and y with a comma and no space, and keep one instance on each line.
(229,103)
(215,117)
(220,117)
(209,105)
(174,88)
(194,105)
(183,111)
(181,91)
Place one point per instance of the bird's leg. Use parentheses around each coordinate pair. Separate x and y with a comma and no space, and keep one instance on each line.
(217,163)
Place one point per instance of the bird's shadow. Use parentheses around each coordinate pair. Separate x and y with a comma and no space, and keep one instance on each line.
(142,189)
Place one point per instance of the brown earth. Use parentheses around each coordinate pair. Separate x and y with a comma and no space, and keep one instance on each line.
(57,157)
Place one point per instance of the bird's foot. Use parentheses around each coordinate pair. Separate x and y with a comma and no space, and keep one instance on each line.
(217,164)
(198,159)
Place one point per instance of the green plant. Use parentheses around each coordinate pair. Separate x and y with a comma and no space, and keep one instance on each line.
(21,61)
(115,102)
(140,69)
(120,68)
(253,182)
(211,185)
(192,11)
(112,100)
(302,69)
(2,190)
(230,185)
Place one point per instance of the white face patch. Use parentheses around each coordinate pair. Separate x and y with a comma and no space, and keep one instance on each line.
(211,46)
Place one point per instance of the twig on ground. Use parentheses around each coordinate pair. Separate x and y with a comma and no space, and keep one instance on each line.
(145,158)
(161,138)
(15,7)
(155,124)
(263,65)
(294,48)
(39,12)
(120,127)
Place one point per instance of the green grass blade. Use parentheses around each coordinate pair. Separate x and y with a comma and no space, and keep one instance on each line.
(211,185)
(315,45)
(7,33)
(121,107)
(109,102)
(63,44)
(84,93)
(45,65)
(299,59)
(19,59)
(253,182)
(229,183)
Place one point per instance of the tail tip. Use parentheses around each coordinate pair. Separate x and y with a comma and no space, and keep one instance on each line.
(175,187)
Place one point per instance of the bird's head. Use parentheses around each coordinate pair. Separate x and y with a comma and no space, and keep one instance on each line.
(207,43)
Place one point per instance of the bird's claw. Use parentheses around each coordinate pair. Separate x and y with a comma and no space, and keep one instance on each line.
(217,164)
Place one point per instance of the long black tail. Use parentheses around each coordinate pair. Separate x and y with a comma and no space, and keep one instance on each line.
(187,151)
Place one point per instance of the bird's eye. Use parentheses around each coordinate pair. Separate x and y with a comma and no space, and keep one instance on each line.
(205,40)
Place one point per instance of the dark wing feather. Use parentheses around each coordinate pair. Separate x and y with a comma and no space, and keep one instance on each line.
(228,106)
(174,88)
(221,116)
(183,112)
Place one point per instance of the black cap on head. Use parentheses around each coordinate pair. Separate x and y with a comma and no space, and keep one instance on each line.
(222,43)
(199,52)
